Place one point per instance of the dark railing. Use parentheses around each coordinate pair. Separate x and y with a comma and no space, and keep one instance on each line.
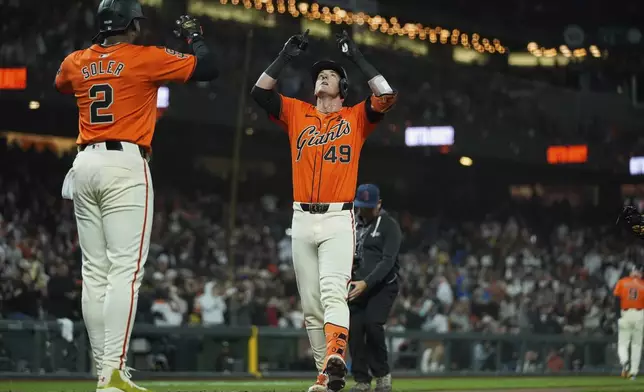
(50,349)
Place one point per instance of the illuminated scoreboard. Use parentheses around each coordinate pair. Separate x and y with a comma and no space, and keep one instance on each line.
(429,136)
(13,78)
(557,155)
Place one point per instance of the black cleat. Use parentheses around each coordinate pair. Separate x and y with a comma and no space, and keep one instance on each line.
(336,369)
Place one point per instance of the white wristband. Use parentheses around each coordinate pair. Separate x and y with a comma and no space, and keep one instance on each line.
(380,86)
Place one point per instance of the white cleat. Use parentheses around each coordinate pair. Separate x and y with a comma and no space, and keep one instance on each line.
(114,380)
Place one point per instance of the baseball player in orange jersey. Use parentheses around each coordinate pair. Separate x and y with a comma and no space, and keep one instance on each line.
(326,139)
(630,292)
(115,83)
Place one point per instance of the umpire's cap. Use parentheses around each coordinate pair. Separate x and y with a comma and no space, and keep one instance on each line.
(367,196)
(117,15)
(333,66)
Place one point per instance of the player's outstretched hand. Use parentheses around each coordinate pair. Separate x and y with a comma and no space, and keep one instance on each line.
(348,48)
(188,28)
(296,45)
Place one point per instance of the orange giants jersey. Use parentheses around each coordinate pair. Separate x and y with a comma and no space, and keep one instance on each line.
(116,89)
(630,292)
(325,149)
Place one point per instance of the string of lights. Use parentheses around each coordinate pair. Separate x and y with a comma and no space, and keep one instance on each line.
(377,23)
(539,51)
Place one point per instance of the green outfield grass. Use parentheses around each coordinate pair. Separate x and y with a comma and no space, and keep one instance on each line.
(585,384)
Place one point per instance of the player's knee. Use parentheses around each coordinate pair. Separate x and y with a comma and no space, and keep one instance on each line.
(333,292)
(125,273)
(311,306)
(313,321)
(88,298)
(333,301)
(336,285)
(92,293)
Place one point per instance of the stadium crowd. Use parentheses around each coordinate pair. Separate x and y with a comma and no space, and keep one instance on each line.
(507,272)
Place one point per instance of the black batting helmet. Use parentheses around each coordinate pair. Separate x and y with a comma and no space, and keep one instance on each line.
(332,65)
(116,16)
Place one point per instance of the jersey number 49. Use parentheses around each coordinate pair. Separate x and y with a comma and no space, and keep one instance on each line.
(341,153)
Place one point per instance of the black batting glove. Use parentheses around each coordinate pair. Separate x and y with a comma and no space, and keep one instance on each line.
(633,220)
(295,45)
(348,48)
(631,216)
(188,28)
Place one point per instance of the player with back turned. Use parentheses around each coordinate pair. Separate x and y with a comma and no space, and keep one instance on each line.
(115,83)
(630,294)
(326,140)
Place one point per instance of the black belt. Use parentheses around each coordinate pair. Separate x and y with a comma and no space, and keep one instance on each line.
(633,309)
(113,145)
(322,208)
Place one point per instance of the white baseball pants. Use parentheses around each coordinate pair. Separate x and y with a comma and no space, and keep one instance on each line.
(629,336)
(323,246)
(113,203)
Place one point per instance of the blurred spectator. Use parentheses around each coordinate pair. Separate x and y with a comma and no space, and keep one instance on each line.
(459,318)
(63,296)
(211,304)
(554,362)
(21,298)
(168,309)
(225,362)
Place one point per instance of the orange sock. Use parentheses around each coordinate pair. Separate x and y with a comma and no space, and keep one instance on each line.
(336,339)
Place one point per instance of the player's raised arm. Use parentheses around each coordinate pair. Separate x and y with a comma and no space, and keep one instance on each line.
(63,83)
(189,29)
(262,92)
(166,65)
(384,96)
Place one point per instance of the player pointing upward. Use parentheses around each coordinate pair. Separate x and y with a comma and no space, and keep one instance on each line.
(326,140)
(116,83)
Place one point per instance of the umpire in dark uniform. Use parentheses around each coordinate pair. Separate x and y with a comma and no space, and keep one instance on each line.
(374,288)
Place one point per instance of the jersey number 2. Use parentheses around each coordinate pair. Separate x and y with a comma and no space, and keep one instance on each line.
(344,152)
(632,294)
(102,96)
